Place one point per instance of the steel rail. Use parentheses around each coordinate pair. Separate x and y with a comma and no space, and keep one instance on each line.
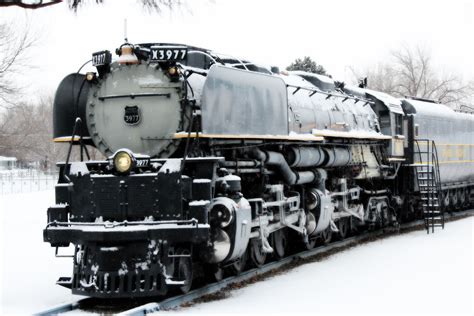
(177,301)
(61,308)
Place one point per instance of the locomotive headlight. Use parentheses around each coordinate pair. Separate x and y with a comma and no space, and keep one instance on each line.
(123,161)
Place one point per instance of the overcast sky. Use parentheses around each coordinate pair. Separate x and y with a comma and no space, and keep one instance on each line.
(337,34)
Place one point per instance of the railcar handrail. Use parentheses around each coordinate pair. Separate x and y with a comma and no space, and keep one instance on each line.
(434,153)
(432,188)
(344,97)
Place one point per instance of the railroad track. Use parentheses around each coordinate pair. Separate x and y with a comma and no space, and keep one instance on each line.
(209,291)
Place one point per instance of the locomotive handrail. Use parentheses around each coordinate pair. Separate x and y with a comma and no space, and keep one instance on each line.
(133,96)
(77,124)
(108,224)
(329,94)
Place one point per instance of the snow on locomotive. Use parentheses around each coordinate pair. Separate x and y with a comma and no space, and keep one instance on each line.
(215,163)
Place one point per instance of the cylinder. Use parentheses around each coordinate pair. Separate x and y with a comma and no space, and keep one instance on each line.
(305,156)
(337,156)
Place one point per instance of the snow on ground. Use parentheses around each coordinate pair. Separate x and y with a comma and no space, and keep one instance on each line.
(412,274)
(28,267)
(26,180)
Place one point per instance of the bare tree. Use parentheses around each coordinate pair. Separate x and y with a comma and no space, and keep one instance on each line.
(26,132)
(14,45)
(411,72)
(152,5)
(28,4)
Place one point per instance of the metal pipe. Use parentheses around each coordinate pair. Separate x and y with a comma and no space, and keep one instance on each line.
(251,164)
(278,160)
(370,192)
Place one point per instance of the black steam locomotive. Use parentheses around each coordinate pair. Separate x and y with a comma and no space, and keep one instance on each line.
(215,163)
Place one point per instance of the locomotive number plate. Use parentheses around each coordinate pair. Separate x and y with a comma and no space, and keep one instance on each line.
(168,53)
(132,115)
(101,58)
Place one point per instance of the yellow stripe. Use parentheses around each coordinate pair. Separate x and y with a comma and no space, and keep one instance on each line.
(456,161)
(329,133)
(454,144)
(69,138)
(65,139)
(446,162)
(317,136)
(299,137)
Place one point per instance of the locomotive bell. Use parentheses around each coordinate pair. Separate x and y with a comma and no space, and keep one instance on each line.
(127,57)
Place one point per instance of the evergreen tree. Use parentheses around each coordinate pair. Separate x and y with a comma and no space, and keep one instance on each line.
(308,65)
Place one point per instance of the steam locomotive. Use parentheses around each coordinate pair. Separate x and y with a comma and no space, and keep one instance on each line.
(215,163)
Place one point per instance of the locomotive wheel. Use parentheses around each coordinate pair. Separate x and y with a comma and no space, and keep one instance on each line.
(185,271)
(312,241)
(218,274)
(238,266)
(279,242)
(257,255)
(445,197)
(466,197)
(453,197)
(326,235)
(213,273)
(343,226)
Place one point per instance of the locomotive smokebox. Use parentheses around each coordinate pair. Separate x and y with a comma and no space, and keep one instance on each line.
(70,103)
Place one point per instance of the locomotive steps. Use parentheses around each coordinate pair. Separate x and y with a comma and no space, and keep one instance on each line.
(220,290)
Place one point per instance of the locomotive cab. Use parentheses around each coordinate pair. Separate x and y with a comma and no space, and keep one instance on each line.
(391,118)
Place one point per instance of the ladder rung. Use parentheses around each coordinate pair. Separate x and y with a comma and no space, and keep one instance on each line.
(426,199)
(431,205)
(420,165)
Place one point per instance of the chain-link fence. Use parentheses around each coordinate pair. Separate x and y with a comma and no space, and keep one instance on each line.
(26,180)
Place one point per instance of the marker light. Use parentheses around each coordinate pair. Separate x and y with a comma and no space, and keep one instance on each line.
(172,71)
(90,76)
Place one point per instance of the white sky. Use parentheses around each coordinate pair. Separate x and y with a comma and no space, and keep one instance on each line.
(337,34)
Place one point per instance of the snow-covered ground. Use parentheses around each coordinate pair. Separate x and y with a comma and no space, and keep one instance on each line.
(25,180)
(409,274)
(412,274)
(29,269)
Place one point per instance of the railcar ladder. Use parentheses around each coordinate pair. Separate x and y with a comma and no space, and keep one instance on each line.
(429,183)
